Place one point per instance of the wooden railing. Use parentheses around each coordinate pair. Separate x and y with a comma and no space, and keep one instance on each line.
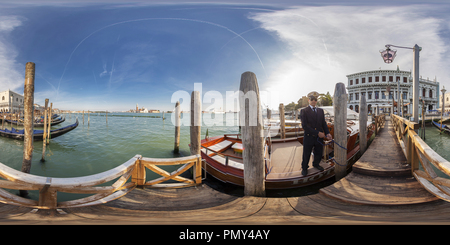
(418,153)
(134,168)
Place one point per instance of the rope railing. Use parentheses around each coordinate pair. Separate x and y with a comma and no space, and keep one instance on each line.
(135,168)
(419,154)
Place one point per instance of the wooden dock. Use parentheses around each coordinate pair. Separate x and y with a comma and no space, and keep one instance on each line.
(381,176)
(379,190)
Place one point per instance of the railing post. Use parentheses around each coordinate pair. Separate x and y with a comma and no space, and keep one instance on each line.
(47,196)
(282,122)
(198,170)
(138,175)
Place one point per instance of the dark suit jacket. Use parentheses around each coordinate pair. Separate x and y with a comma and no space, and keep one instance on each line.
(312,122)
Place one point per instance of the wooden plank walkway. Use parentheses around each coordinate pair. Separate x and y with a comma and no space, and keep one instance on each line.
(376,192)
(380,177)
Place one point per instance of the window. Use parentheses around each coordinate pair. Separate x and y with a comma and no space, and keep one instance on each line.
(405,79)
(377,79)
(430,94)
(391,78)
(370,79)
(363,80)
(351,82)
(363,94)
(397,79)
(351,107)
(383,78)
(351,96)
(3,97)
(369,95)
(17,99)
(377,95)
(423,92)
(357,108)
(356,81)
(356,96)
(404,95)
(383,96)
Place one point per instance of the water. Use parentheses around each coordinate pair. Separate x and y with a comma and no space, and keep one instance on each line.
(101,146)
(440,143)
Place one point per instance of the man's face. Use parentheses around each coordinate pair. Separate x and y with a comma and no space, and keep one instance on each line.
(312,102)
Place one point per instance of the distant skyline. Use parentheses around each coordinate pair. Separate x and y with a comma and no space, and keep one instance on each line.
(112,56)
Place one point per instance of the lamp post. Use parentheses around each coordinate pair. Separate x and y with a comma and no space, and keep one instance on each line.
(388,56)
(443,104)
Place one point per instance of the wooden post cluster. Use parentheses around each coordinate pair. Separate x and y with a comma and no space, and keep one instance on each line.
(252,135)
(363,124)
(28,120)
(176,148)
(340,130)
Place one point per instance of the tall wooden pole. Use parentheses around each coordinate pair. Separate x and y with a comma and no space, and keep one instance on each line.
(44,138)
(340,130)
(176,147)
(363,124)
(196,123)
(415,113)
(250,118)
(49,125)
(28,120)
(282,122)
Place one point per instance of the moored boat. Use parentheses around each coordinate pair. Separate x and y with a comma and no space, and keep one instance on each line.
(37,134)
(444,127)
(283,157)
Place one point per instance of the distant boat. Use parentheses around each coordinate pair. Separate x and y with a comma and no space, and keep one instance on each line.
(220,111)
(37,134)
(39,123)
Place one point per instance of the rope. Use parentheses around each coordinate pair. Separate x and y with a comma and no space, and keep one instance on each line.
(332,158)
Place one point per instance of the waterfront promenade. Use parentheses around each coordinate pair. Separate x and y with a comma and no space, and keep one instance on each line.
(379,190)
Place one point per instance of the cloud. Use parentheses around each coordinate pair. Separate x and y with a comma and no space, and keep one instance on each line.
(11,73)
(329,42)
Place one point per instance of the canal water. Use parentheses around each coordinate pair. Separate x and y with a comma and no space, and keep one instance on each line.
(439,142)
(100,146)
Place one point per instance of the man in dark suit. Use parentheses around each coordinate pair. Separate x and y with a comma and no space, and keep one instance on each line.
(315,129)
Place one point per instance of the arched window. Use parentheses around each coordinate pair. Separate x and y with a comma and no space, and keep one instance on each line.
(431,93)
(351,107)
(3,97)
(423,92)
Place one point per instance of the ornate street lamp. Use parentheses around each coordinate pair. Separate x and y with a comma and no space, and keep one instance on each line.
(388,56)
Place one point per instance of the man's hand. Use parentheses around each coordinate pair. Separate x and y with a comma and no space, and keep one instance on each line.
(321,135)
(329,137)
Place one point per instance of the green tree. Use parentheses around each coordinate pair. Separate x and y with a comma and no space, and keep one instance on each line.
(290,106)
(325,99)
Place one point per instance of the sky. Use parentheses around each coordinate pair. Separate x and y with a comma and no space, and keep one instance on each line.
(112,55)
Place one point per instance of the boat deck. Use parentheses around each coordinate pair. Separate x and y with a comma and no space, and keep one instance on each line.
(286,161)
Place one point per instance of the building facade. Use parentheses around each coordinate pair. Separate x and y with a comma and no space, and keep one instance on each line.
(373,84)
(11,101)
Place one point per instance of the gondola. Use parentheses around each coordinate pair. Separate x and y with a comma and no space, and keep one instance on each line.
(37,134)
(39,123)
(223,156)
(445,128)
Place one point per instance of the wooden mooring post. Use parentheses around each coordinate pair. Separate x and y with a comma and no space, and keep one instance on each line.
(282,122)
(340,130)
(195,131)
(363,124)
(44,138)
(250,120)
(28,120)
(176,147)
